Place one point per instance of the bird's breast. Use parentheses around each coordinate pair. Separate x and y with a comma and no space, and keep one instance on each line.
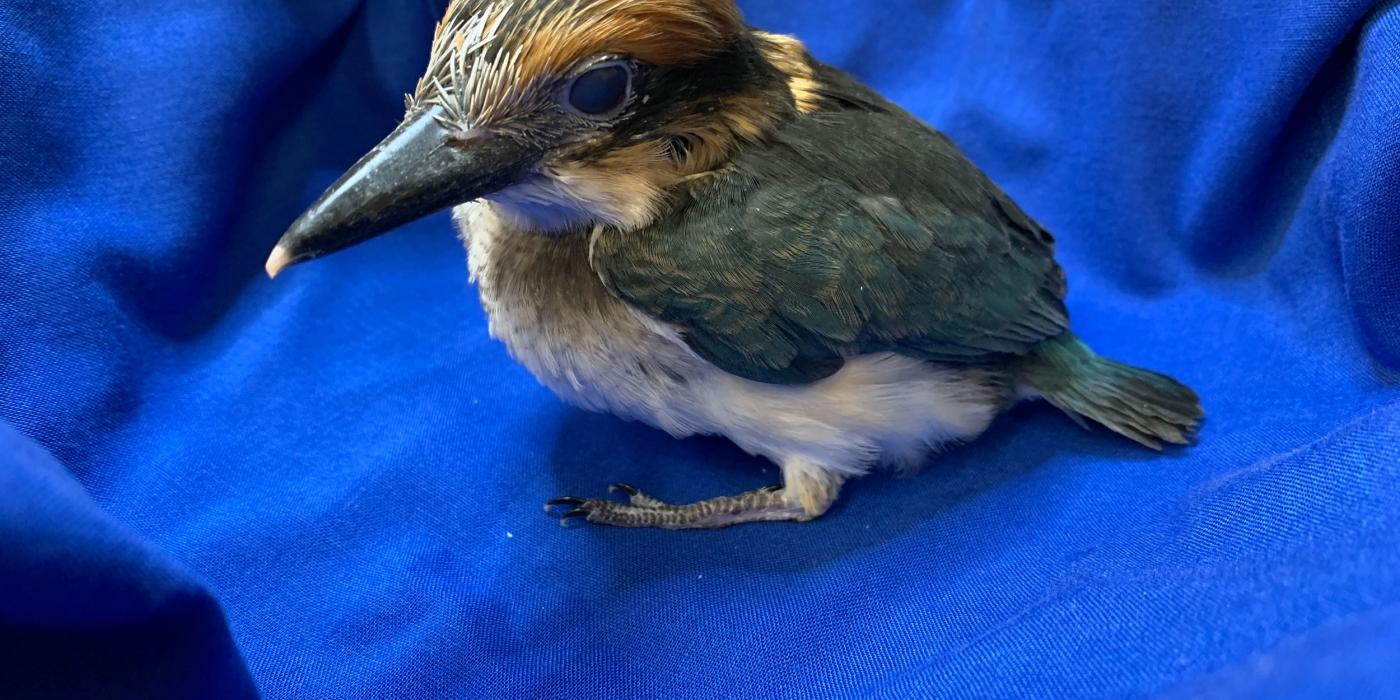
(558,320)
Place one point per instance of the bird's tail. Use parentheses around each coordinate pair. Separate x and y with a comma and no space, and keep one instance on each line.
(1144,406)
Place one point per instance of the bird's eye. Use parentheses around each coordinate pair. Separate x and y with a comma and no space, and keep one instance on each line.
(602,90)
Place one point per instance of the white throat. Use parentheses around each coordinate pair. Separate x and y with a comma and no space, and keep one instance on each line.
(565,199)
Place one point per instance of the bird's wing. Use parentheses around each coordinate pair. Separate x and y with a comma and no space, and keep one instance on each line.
(777,272)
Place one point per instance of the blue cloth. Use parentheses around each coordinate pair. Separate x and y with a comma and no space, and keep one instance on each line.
(331,486)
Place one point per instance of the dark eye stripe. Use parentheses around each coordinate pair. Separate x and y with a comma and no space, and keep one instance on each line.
(600,91)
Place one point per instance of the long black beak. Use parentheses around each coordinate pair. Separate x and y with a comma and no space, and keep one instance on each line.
(418,170)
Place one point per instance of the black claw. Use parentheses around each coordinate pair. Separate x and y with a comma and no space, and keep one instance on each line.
(575,513)
(571,501)
(628,489)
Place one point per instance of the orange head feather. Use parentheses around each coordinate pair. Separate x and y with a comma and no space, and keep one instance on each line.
(490,54)
(705,84)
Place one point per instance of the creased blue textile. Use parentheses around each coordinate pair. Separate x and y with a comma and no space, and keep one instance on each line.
(331,486)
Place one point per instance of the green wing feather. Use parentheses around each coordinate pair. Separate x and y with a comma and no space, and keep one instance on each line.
(781,268)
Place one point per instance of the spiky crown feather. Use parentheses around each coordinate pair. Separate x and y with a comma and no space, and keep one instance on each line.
(489,55)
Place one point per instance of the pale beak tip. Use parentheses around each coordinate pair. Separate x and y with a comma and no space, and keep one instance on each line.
(278,261)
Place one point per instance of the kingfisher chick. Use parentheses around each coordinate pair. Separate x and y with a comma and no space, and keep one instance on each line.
(682,220)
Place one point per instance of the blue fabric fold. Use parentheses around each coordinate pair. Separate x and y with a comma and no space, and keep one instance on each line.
(88,608)
(331,486)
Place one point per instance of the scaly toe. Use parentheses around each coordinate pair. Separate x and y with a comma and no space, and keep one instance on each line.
(636,497)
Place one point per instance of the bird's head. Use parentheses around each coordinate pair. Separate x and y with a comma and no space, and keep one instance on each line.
(564,114)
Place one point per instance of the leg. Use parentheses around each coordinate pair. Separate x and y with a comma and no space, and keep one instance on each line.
(807,493)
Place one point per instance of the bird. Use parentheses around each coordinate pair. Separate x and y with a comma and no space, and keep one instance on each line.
(680,219)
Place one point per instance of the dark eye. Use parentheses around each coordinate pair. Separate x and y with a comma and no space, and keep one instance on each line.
(602,90)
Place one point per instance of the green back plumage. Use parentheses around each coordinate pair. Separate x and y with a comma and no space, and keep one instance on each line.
(855,230)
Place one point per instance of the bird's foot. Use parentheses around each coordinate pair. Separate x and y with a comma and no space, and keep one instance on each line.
(640,510)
